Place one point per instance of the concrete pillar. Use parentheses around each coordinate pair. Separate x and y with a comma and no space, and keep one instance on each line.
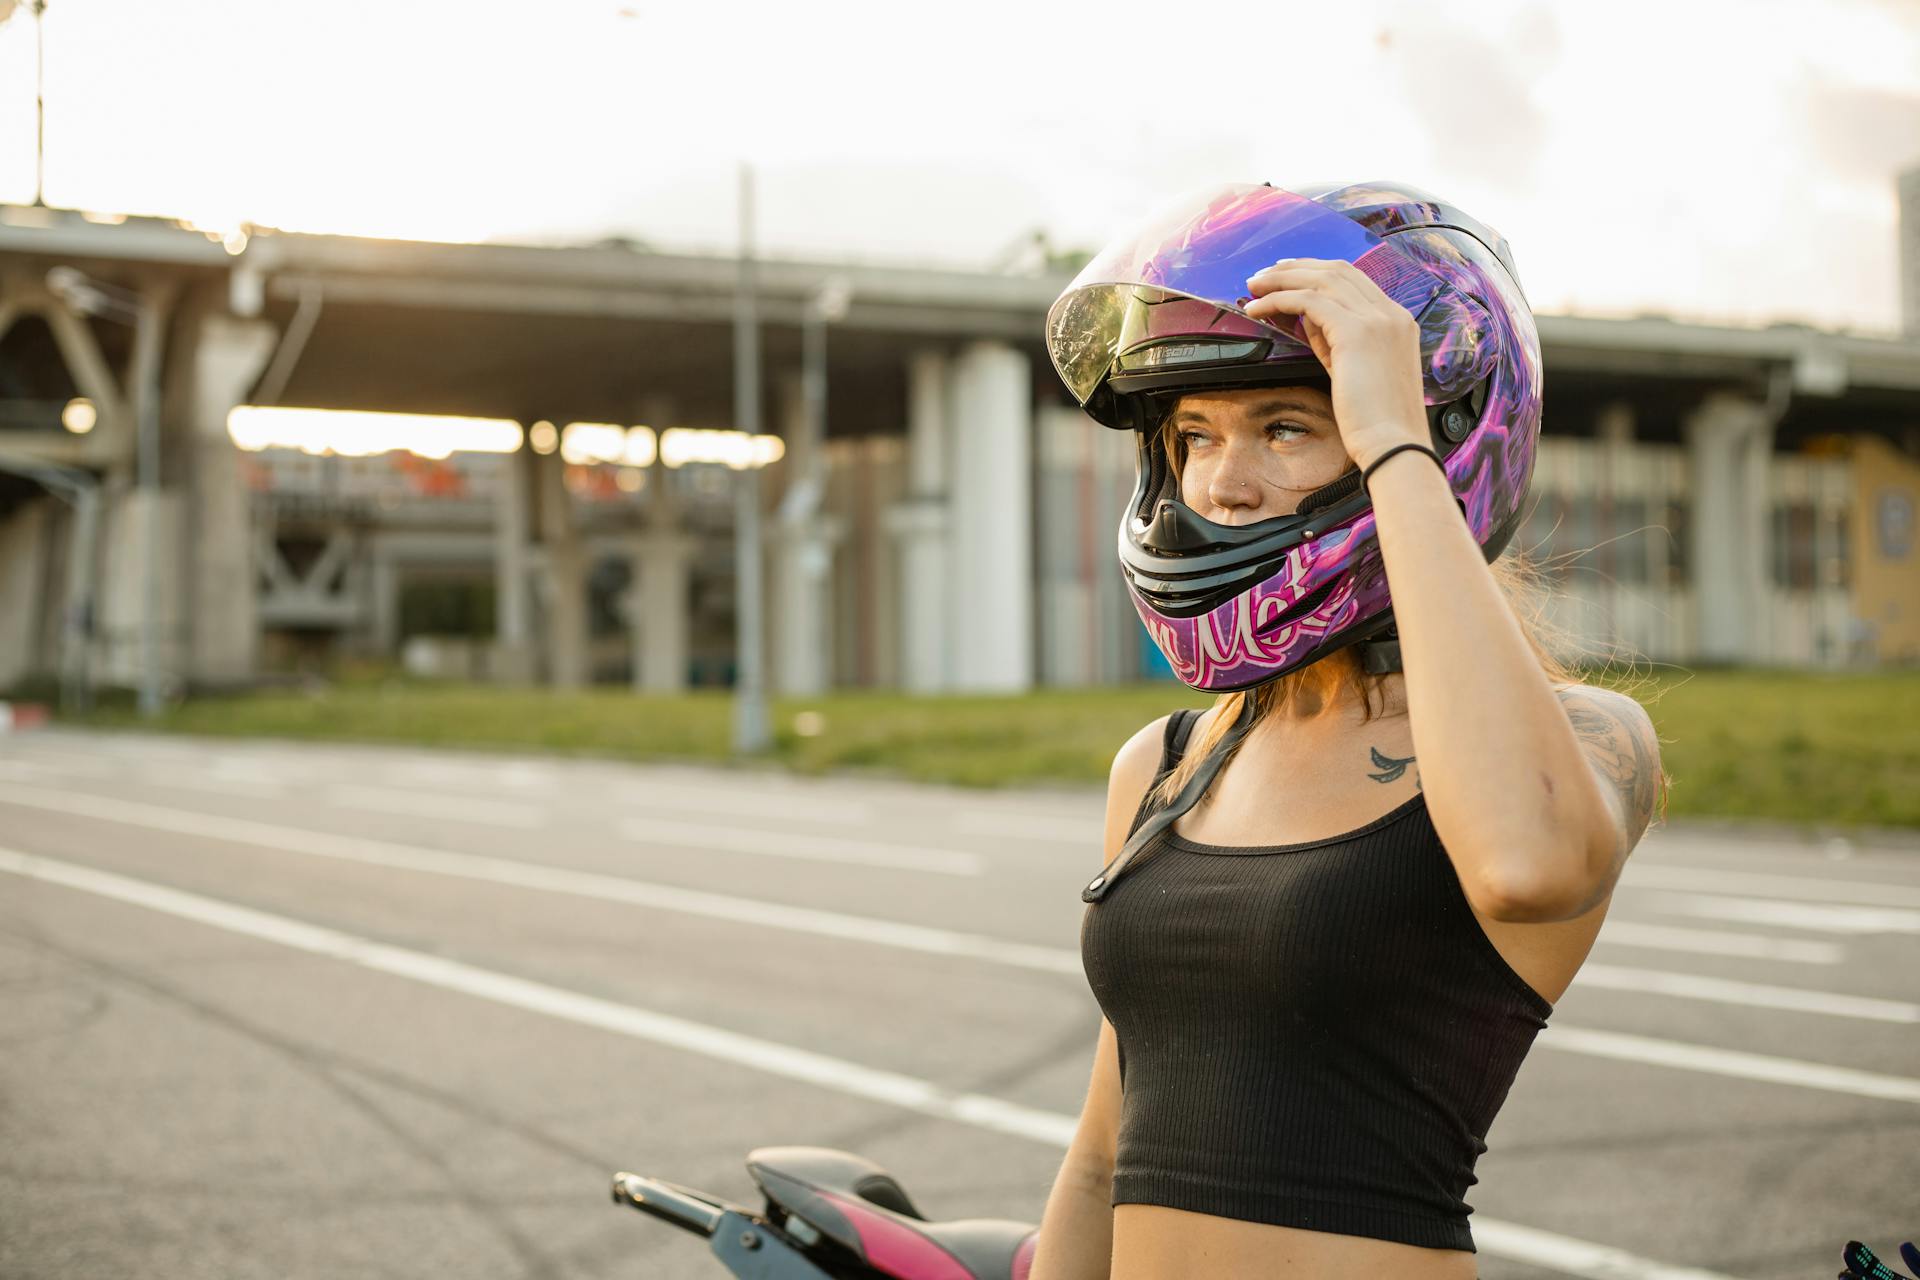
(1729,450)
(918,525)
(1619,605)
(991,534)
(658,603)
(224,357)
(1073,547)
(513,644)
(141,530)
(383,604)
(803,538)
(565,579)
(23,536)
(1614,426)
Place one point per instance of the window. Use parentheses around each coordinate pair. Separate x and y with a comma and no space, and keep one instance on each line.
(1793,546)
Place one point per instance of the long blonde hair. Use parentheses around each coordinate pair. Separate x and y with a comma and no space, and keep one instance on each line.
(1319,684)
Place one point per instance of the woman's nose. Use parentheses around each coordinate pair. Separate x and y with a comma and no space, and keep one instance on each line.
(1232,488)
(1235,483)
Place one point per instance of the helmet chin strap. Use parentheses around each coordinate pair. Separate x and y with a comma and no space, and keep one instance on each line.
(1381,656)
(1197,785)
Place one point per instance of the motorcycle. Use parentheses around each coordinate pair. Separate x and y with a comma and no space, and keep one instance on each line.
(833,1215)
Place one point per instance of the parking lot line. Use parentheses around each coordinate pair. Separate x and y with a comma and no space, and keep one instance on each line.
(1493,1236)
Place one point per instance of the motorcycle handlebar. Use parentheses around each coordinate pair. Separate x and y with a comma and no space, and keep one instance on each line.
(669,1203)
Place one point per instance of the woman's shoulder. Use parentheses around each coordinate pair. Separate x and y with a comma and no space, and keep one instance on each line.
(1138,759)
(1573,693)
(1135,766)
(1141,757)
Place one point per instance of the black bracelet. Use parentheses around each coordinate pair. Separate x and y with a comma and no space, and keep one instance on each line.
(1375,464)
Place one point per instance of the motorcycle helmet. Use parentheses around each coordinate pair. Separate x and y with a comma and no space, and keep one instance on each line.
(1160,313)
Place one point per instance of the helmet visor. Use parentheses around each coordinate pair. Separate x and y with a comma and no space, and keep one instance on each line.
(1137,297)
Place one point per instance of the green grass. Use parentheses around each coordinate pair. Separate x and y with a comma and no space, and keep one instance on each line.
(1797,747)
(1831,750)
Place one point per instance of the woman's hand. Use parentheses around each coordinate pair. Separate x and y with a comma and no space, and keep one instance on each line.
(1369,343)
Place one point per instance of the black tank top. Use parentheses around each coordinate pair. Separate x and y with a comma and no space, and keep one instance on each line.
(1314,1035)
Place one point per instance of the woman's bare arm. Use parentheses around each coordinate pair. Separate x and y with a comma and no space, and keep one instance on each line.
(1076,1231)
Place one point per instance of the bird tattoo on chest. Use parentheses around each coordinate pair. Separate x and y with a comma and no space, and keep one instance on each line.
(1391,767)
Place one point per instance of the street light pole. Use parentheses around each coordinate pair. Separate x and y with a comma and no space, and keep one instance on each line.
(147,338)
(40,103)
(828,305)
(751,734)
(805,532)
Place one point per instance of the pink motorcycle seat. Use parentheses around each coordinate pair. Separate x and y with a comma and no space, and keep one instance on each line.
(859,1205)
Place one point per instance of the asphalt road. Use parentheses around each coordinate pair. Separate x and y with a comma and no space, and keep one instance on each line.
(286,1010)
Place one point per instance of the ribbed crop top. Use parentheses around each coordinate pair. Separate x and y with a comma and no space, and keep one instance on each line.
(1314,1035)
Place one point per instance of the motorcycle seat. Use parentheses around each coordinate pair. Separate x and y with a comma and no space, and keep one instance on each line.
(859,1205)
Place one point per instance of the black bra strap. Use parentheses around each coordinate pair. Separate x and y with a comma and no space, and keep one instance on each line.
(1147,832)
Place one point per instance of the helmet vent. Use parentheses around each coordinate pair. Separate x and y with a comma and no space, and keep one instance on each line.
(1175,528)
(1327,495)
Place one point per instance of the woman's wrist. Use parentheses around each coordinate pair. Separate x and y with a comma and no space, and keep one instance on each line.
(1369,453)
(1387,455)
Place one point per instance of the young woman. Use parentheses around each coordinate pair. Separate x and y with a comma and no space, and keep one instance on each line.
(1338,905)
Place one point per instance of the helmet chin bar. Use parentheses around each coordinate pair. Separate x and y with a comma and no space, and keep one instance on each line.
(1187,565)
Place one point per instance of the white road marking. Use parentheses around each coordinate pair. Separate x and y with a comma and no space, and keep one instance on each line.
(1692,986)
(1714,942)
(136,745)
(255,768)
(1866,893)
(524,875)
(1040,828)
(752,799)
(445,808)
(1812,916)
(788,844)
(223,775)
(1730,1062)
(183,779)
(68,762)
(1574,1257)
(537,997)
(839,1075)
(486,775)
(24,771)
(932,941)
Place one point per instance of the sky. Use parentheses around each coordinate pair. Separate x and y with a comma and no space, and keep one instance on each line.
(1726,161)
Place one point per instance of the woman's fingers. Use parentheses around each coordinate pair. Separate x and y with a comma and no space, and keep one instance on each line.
(1334,279)
(1316,305)
(1294,273)
(1318,314)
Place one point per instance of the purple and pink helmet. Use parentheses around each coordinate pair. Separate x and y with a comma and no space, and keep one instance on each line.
(1159,314)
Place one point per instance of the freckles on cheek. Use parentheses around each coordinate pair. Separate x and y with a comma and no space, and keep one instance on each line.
(1193,487)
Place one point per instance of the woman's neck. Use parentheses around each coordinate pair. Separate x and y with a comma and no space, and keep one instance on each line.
(1340,700)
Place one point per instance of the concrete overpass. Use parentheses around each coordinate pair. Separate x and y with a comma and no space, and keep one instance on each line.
(948,364)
